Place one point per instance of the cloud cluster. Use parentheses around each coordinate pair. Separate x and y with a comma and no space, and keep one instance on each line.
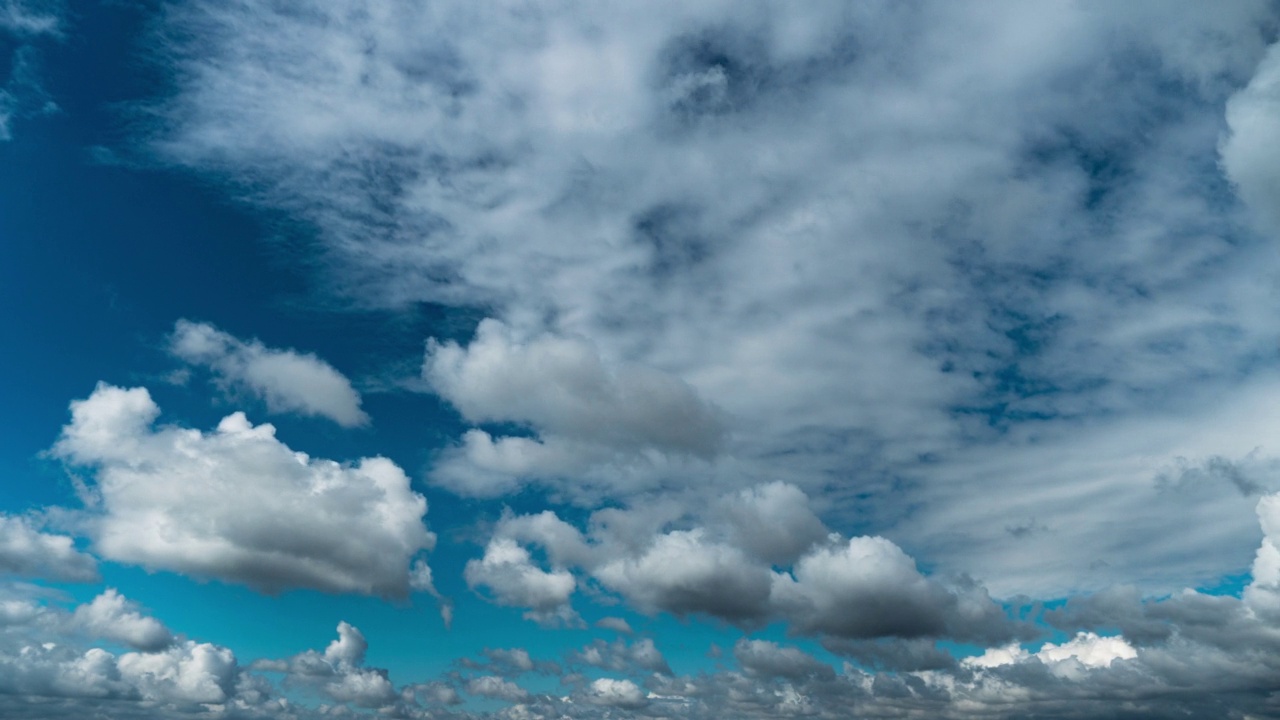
(238,505)
(829,586)
(287,380)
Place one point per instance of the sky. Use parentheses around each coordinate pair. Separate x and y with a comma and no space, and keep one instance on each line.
(584,359)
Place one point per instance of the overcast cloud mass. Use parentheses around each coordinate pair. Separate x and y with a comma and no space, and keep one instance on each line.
(826,359)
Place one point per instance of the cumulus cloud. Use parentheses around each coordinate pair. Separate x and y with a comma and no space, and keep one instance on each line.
(868,587)
(111,616)
(24,550)
(683,573)
(289,381)
(584,411)
(238,505)
(508,573)
(492,686)
(339,671)
(616,693)
(642,654)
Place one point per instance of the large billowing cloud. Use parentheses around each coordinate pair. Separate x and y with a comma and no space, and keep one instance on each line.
(236,504)
(289,381)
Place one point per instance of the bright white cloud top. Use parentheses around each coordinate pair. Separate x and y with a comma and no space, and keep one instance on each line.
(238,505)
(924,355)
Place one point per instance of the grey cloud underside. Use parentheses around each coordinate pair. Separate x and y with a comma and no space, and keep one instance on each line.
(667,560)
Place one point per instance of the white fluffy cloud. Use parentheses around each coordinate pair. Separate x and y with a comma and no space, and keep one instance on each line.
(238,505)
(492,686)
(508,572)
(289,381)
(616,693)
(24,550)
(111,616)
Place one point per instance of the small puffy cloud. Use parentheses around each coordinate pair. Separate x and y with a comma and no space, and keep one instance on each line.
(492,686)
(616,624)
(767,659)
(339,671)
(1089,650)
(288,381)
(517,659)
(113,617)
(349,648)
(641,655)
(365,687)
(508,573)
(24,550)
(239,505)
(616,693)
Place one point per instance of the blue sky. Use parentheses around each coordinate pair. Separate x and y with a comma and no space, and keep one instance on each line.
(603,360)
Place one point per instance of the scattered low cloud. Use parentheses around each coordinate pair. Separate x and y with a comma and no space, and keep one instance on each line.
(287,380)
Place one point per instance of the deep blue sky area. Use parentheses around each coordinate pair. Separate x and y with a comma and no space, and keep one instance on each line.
(639,360)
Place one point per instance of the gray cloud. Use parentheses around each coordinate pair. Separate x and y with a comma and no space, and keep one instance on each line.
(24,550)
(289,381)
(766,659)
